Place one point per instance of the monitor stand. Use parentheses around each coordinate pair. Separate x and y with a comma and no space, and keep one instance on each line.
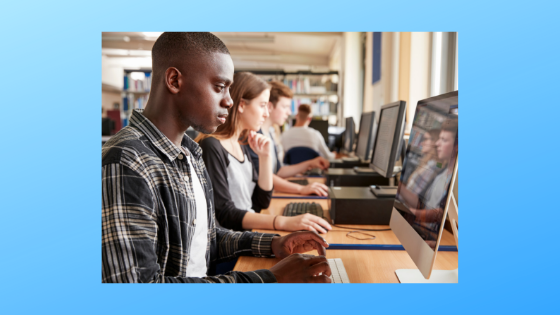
(437,276)
(367,170)
(363,170)
(350,159)
(383,191)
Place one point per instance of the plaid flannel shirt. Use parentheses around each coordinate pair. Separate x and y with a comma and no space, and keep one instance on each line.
(149,212)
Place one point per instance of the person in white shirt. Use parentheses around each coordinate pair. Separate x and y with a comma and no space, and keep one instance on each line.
(279,110)
(301,135)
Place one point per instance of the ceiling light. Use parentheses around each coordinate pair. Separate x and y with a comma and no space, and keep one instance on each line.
(125,52)
(152,34)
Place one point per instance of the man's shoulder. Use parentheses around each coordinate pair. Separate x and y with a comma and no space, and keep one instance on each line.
(291,132)
(127,143)
(318,134)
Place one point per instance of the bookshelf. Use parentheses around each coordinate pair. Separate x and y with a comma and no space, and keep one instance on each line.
(318,89)
(135,93)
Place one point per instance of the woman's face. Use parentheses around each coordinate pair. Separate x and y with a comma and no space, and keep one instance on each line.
(427,143)
(445,145)
(255,111)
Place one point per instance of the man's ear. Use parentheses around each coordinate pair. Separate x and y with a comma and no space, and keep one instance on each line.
(270,106)
(173,80)
(309,119)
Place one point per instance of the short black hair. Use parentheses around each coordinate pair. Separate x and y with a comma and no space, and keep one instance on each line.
(173,45)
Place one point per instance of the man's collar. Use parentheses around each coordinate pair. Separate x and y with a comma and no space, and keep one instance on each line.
(159,140)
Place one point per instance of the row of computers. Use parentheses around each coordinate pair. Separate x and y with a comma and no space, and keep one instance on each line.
(417,208)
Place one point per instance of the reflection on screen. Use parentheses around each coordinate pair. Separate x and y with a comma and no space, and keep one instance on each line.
(430,159)
(385,135)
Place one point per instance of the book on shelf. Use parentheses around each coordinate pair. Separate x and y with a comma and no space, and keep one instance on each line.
(305,86)
(318,107)
(134,83)
(134,102)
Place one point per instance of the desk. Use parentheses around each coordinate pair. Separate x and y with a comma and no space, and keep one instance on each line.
(362,266)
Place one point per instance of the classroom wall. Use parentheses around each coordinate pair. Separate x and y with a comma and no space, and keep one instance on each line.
(385,90)
(352,76)
(113,68)
(420,69)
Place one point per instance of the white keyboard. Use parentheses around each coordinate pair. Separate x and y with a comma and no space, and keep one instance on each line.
(339,274)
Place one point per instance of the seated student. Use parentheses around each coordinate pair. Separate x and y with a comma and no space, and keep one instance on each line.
(158,222)
(238,191)
(279,110)
(428,167)
(428,206)
(301,135)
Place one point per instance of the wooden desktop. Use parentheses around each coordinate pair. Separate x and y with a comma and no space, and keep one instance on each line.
(362,266)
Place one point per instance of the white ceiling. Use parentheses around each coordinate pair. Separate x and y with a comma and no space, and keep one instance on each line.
(290,51)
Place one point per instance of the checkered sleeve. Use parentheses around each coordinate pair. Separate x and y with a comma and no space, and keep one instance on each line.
(129,235)
(129,227)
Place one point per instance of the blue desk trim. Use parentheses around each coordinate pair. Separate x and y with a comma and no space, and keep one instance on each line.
(300,197)
(442,248)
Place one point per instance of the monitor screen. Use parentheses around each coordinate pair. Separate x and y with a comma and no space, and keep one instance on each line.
(429,166)
(349,135)
(322,126)
(366,136)
(388,138)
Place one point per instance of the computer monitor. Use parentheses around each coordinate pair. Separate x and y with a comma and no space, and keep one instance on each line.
(366,136)
(423,199)
(322,126)
(349,135)
(388,139)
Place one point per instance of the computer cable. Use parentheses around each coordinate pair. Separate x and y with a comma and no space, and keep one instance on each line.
(372,237)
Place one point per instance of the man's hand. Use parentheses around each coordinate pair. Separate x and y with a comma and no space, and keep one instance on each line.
(298,242)
(259,143)
(315,189)
(298,268)
(319,162)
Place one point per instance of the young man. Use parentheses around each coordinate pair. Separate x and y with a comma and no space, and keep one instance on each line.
(158,222)
(301,135)
(279,110)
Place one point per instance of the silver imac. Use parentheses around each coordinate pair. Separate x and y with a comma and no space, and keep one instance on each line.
(425,190)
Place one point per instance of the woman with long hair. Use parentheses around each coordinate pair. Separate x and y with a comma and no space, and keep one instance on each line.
(239,193)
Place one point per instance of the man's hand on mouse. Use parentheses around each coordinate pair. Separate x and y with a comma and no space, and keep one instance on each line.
(295,267)
(303,222)
(298,242)
(300,268)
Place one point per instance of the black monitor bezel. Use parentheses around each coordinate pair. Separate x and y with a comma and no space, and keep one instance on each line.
(369,144)
(352,134)
(397,138)
(324,133)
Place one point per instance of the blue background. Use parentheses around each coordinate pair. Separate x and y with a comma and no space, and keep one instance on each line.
(50,210)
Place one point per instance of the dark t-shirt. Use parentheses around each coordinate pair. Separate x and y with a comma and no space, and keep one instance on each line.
(216,159)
